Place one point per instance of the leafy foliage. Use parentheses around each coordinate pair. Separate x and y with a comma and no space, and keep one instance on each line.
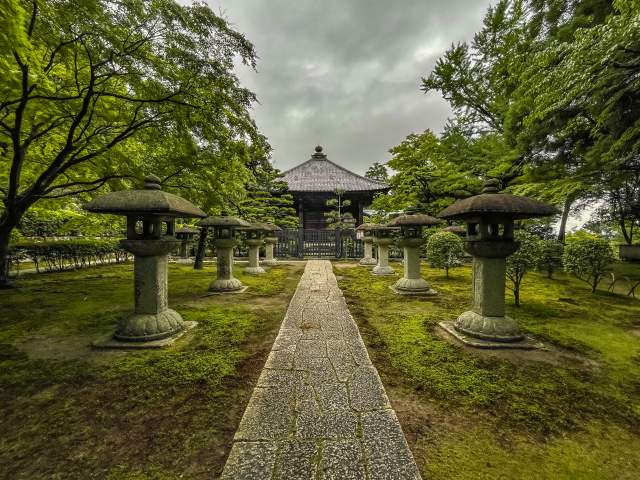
(526,258)
(444,250)
(550,256)
(588,258)
(101,91)
(337,217)
(377,171)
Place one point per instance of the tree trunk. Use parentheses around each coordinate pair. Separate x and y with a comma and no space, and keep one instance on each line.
(202,243)
(628,239)
(516,295)
(565,216)
(6,227)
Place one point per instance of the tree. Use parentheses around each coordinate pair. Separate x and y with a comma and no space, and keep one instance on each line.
(377,171)
(588,258)
(550,256)
(96,92)
(523,260)
(336,217)
(267,199)
(444,250)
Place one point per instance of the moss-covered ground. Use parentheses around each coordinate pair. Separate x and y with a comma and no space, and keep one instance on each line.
(70,412)
(570,413)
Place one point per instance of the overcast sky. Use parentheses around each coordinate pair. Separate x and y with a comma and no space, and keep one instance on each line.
(345,74)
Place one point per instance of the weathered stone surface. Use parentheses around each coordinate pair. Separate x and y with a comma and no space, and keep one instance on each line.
(342,460)
(250,461)
(316,393)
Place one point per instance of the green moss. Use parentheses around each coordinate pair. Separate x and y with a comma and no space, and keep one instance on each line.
(546,401)
(69,411)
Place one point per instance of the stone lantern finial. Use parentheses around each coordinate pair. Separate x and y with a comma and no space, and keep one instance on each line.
(152,182)
(491,186)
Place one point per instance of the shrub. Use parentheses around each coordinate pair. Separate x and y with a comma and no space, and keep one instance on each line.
(523,260)
(444,250)
(550,256)
(588,258)
(64,254)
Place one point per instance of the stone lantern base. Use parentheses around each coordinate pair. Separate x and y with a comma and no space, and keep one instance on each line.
(413,286)
(111,342)
(232,285)
(526,343)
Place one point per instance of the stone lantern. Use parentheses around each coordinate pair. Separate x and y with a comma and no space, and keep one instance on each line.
(185,235)
(270,241)
(490,221)
(224,240)
(383,237)
(151,215)
(364,233)
(411,240)
(255,234)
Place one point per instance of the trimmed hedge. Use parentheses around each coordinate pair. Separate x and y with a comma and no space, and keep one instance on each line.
(58,255)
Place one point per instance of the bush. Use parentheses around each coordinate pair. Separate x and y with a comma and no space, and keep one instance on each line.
(523,260)
(444,250)
(65,254)
(550,256)
(588,258)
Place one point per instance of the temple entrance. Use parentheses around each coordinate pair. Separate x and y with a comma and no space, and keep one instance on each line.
(318,243)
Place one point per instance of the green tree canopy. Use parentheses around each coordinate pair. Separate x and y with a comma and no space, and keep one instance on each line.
(97,92)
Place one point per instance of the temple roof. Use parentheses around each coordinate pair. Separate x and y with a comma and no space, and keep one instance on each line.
(319,174)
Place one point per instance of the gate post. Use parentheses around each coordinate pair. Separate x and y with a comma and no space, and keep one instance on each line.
(301,242)
(338,242)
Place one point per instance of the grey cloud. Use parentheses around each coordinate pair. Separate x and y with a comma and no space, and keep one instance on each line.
(346,74)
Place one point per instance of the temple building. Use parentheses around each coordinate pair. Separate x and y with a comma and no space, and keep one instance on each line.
(315,181)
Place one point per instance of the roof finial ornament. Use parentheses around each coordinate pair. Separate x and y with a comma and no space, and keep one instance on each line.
(319,155)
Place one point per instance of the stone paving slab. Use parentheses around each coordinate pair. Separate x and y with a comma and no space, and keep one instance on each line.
(319,409)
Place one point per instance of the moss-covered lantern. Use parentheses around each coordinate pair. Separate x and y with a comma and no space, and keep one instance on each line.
(364,233)
(186,236)
(411,240)
(255,234)
(490,220)
(224,239)
(383,238)
(151,215)
(270,241)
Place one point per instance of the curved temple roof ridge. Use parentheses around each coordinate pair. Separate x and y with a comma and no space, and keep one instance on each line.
(319,174)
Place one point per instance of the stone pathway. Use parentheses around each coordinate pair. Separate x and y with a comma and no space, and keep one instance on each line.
(319,410)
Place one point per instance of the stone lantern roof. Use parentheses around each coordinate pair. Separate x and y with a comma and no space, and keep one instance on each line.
(492,202)
(223,221)
(417,220)
(367,227)
(271,227)
(150,201)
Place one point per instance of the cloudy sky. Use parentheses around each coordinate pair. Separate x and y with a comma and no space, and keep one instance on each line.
(345,74)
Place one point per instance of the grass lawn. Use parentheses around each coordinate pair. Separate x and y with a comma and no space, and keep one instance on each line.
(69,412)
(571,413)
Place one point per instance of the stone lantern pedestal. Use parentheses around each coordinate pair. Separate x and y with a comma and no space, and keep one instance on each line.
(254,267)
(490,223)
(150,238)
(269,245)
(411,240)
(225,282)
(270,241)
(364,233)
(186,236)
(224,228)
(382,267)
